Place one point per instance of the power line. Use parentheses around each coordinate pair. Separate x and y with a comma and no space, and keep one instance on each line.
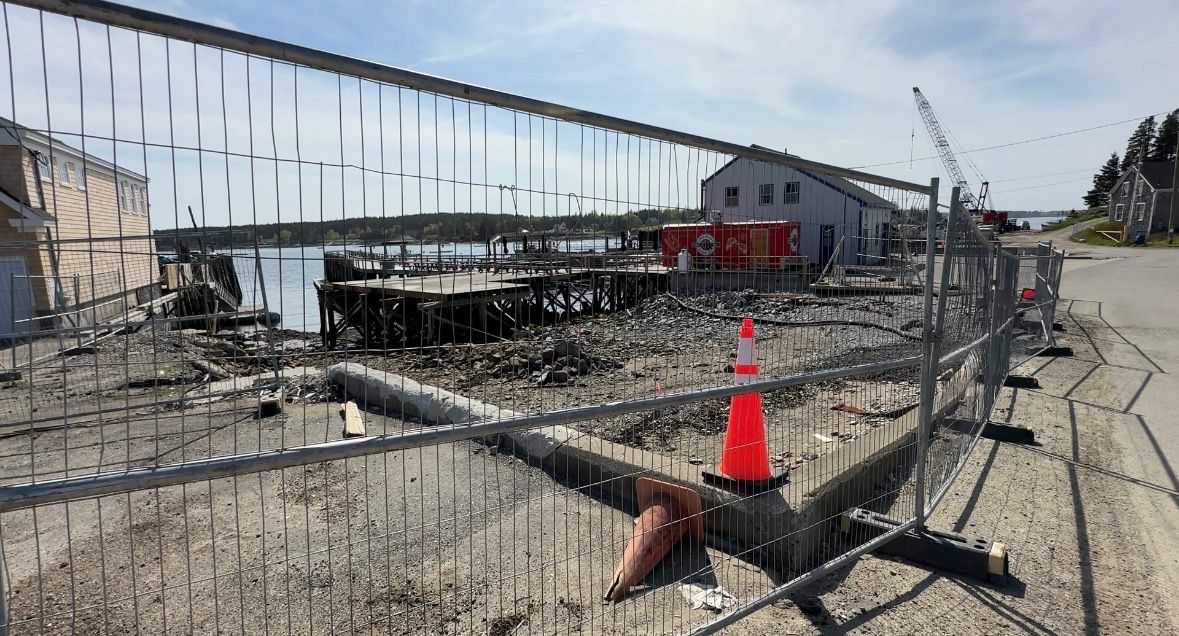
(947,187)
(1017,143)
(1051,174)
(1044,185)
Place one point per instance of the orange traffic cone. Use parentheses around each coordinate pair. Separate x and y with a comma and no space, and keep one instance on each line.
(745,460)
(666,513)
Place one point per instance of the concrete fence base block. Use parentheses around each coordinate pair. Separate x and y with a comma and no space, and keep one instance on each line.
(1021,382)
(946,551)
(998,431)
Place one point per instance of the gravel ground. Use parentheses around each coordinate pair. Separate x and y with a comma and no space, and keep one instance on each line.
(662,347)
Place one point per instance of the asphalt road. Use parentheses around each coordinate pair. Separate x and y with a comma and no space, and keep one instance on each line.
(1136,293)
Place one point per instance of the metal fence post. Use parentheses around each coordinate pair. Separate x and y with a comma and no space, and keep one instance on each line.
(266,309)
(12,304)
(992,368)
(3,590)
(928,365)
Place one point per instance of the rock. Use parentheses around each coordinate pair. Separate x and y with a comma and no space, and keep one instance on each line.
(730,368)
(559,376)
(566,348)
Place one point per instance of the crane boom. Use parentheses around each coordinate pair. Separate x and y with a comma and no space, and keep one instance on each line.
(944,151)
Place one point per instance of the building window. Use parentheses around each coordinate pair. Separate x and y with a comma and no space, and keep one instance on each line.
(123,197)
(1126,189)
(81,182)
(765,194)
(790,192)
(1118,211)
(1139,211)
(135,199)
(43,167)
(63,171)
(731,197)
(1138,187)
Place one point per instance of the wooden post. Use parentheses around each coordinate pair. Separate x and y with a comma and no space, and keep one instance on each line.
(321,295)
(568,301)
(331,321)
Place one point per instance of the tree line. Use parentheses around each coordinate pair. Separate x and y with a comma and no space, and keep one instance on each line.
(1150,141)
(438,226)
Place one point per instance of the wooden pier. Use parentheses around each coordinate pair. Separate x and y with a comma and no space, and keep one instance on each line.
(477,305)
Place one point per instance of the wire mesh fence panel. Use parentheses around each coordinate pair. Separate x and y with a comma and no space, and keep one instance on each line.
(318,345)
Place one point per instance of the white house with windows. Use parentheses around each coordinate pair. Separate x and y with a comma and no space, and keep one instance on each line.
(75,233)
(828,208)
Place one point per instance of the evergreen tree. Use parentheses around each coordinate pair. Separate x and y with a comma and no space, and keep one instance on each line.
(1139,143)
(1162,148)
(1103,182)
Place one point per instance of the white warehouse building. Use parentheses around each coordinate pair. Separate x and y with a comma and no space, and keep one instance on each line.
(828,208)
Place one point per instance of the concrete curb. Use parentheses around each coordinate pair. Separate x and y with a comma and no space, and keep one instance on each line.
(397,394)
(783,527)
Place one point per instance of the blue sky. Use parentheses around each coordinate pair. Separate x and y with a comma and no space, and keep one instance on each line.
(830,81)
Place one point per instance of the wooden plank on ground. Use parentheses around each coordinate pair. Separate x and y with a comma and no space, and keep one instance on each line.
(353,420)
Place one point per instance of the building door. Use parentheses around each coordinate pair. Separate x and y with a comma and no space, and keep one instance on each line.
(884,239)
(826,243)
(16,298)
(759,247)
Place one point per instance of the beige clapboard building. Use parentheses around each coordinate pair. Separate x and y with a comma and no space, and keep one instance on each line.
(75,243)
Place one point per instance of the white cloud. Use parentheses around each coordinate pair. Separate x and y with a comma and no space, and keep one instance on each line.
(831,80)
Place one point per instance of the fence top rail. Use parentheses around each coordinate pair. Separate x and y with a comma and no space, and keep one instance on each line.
(160,24)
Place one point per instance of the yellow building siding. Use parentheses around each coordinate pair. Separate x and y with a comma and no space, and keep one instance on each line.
(94,253)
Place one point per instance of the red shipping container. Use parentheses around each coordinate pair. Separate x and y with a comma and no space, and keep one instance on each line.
(743,245)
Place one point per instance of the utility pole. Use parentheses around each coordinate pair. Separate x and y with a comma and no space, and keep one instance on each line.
(1174,191)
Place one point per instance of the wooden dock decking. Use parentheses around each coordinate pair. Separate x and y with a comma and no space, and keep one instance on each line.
(437,286)
(477,305)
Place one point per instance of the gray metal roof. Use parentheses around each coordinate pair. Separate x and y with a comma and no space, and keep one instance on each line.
(864,196)
(21,132)
(1159,174)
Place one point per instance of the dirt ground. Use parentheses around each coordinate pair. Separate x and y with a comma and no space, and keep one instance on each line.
(397,543)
